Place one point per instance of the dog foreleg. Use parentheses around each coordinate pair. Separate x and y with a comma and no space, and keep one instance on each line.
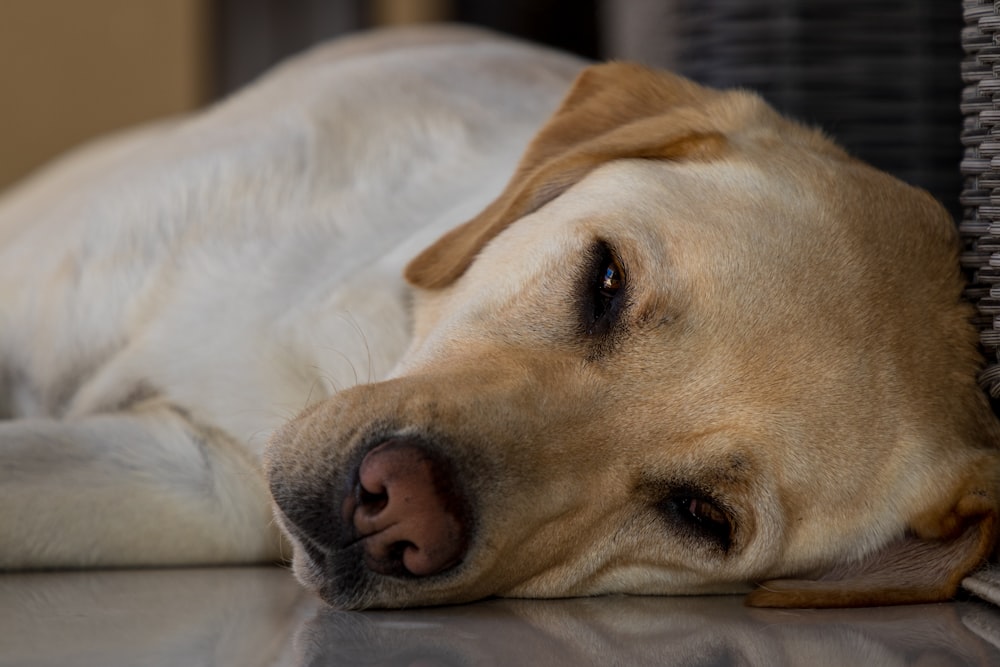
(151,486)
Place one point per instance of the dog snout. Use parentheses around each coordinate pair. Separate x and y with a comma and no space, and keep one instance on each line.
(407,510)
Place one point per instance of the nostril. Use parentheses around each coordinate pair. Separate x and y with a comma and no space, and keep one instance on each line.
(370,502)
(408,511)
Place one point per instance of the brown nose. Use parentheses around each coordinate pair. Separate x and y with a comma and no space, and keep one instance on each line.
(408,510)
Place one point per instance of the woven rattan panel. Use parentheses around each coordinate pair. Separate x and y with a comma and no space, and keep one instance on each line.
(980,224)
(880,76)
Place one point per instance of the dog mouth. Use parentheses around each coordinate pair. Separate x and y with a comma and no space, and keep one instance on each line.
(398,517)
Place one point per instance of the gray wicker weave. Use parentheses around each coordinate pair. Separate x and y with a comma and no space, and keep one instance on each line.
(980,224)
(880,76)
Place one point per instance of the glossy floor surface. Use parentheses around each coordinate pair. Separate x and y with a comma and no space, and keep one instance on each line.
(254,617)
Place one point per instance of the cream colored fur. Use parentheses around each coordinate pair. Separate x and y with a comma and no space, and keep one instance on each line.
(169,297)
(791,351)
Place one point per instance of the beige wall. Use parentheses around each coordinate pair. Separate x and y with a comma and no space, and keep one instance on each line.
(74,69)
(400,12)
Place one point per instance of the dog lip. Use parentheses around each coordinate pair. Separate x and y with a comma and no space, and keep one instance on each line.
(315,551)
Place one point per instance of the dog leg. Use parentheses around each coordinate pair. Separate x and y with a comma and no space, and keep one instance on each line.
(150,486)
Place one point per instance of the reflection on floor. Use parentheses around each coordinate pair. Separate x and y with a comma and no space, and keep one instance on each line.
(260,617)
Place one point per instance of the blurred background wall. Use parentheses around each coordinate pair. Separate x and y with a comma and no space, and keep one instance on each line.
(73,69)
(880,75)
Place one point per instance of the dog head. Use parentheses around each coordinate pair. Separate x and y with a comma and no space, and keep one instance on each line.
(692,347)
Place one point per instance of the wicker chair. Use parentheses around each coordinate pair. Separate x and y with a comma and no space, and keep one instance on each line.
(878,75)
(980,224)
(980,199)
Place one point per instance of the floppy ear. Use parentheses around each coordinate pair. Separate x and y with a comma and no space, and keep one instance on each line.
(612,111)
(925,565)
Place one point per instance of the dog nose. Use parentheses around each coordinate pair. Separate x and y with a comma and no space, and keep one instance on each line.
(408,510)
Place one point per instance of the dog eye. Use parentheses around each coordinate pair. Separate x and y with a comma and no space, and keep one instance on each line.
(708,515)
(606,288)
(613,279)
(701,516)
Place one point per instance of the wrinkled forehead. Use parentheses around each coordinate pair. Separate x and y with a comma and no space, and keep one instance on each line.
(743,253)
(683,218)
(707,235)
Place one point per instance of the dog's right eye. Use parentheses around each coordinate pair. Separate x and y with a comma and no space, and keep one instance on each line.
(606,285)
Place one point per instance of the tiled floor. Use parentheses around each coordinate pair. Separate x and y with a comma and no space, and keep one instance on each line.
(254,617)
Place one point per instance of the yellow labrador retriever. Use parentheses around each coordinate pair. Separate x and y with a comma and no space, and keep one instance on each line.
(691,346)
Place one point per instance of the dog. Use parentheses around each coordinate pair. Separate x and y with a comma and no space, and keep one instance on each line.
(678,344)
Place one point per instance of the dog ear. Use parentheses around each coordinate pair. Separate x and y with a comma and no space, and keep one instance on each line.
(612,111)
(926,565)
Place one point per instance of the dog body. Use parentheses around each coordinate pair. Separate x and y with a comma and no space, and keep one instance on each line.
(172,296)
(674,355)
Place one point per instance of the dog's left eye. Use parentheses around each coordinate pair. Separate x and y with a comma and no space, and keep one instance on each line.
(701,516)
(706,513)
